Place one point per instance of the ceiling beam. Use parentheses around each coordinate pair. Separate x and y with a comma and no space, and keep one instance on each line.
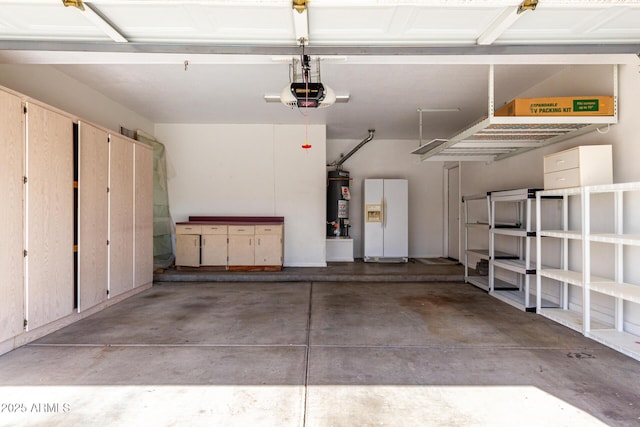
(499,26)
(386,50)
(300,21)
(105,26)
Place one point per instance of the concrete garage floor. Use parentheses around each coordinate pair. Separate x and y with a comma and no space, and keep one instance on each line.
(317,354)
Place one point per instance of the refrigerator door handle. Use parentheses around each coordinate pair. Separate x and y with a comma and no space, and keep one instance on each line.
(384,212)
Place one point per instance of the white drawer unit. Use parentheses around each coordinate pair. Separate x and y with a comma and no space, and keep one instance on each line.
(579,166)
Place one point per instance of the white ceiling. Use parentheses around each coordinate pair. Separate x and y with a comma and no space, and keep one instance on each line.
(391,56)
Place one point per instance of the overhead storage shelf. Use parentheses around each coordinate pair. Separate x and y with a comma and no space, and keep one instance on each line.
(495,138)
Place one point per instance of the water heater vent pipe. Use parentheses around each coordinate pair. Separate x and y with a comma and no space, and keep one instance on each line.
(338,163)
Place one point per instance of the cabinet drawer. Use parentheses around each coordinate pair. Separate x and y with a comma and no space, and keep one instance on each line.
(268,229)
(563,160)
(188,229)
(241,229)
(214,229)
(562,179)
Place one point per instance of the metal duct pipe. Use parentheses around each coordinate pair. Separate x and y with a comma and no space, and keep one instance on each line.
(344,158)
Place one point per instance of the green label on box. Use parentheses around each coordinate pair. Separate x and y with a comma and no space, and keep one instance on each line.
(586,105)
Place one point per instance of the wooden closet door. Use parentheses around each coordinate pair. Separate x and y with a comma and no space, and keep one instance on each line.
(121,215)
(11,214)
(50,211)
(143,215)
(93,215)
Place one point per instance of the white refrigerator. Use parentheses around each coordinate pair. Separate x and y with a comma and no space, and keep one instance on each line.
(386,220)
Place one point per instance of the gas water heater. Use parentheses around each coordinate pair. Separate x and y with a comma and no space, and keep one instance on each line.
(338,197)
(338,194)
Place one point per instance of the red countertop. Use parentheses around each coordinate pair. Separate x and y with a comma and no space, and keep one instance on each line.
(233,220)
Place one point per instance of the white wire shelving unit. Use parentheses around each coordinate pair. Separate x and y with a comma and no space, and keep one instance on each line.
(621,291)
(520,233)
(476,238)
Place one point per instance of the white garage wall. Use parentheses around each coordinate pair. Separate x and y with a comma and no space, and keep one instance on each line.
(300,193)
(391,159)
(251,170)
(45,83)
(526,170)
(219,169)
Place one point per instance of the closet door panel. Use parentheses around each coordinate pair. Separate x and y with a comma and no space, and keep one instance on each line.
(121,215)
(11,215)
(93,205)
(143,215)
(50,212)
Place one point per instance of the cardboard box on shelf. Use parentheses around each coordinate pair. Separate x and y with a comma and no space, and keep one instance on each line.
(561,106)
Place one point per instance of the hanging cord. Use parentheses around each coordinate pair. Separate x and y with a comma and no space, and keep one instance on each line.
(604,131)
(306,145)
(305,73)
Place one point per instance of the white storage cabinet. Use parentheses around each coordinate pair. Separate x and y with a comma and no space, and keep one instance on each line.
(39,290)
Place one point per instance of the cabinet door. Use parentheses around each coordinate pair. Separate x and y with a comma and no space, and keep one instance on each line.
(268,249)
(143,215)
(214,249)
(50,212)
(11,190)
(121,215)
(93,216)
(241,251)
(188,250)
